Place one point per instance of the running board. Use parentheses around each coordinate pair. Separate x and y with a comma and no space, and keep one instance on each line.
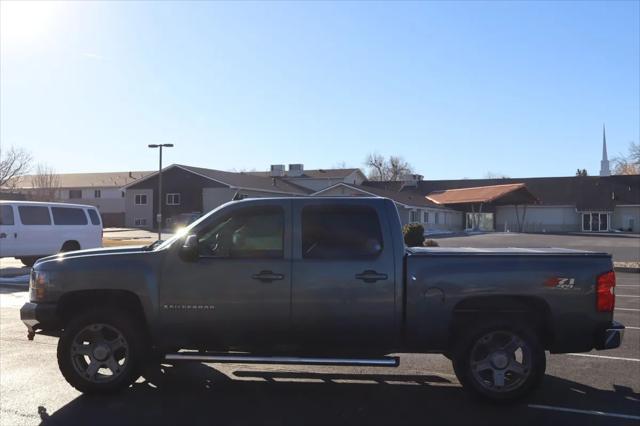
(250,359)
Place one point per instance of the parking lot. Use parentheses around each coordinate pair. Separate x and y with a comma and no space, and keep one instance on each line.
(594,388)
(600,388)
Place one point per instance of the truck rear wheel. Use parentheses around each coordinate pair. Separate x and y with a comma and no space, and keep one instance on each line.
(100,351)
(499,362)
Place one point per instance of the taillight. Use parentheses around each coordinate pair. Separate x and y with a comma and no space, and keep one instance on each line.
(605,296)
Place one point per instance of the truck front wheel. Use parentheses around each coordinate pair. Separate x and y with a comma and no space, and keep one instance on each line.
(100,351)
(499,362)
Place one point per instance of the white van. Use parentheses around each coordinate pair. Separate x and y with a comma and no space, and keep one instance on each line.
(30,230)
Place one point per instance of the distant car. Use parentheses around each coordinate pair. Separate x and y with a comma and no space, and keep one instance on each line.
(184,219)
(30,230)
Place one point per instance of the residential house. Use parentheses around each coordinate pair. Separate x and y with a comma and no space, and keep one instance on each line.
(102,190)
(188,189)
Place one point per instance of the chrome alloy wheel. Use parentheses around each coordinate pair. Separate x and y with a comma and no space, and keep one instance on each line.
(500,361)
(99,353)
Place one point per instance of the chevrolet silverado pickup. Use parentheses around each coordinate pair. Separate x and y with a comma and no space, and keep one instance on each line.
(319,281)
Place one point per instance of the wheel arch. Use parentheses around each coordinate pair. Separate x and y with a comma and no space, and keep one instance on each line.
(514,309)
(72,303)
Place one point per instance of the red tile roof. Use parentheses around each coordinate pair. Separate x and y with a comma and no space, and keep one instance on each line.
(478,194)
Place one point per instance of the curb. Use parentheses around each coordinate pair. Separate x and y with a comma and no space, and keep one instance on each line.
(627,269)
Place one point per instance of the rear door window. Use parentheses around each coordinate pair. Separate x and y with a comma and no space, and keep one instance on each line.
(340,232)
(93,215)
(6,215)
(68,216)
(34,215)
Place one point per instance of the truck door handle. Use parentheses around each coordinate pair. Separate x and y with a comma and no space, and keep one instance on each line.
(3,235)
(267,276)
(370,276)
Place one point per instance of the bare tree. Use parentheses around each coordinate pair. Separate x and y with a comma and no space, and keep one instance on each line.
(494,175)
(382,169)
(398,167)
(46,183)
(628,164)
(582,172)
(14,163)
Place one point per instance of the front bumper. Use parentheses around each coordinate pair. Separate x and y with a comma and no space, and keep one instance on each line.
(40,316)
(611,337)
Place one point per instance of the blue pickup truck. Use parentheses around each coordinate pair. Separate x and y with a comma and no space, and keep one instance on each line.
(319,281)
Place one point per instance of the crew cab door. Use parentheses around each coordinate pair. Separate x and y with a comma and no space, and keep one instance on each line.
(237,293)
(343,276)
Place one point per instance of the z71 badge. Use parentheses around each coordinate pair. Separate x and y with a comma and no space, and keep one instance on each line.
(561,283)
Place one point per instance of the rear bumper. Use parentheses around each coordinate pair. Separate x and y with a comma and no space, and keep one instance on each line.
(610,337)
(40,316)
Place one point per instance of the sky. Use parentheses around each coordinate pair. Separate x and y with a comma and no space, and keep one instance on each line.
(457,89)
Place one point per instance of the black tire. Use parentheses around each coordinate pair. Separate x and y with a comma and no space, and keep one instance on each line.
(101,325)
(525,366)
(28,261)
(70,246)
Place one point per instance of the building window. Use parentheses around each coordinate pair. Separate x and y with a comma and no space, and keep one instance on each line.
(97,193)
(75,194)
(173,199)
(141,199)
(437,218)
(414,216)
(425,217)
(140,221)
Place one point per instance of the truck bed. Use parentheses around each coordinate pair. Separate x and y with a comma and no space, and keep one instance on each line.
(502,251)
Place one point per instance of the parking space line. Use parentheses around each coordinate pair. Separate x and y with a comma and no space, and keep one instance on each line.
(626,295)
(628,285)
(617,358)
(631,328)
(590,412)
(628,309)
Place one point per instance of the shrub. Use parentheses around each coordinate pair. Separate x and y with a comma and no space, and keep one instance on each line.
(431,243)
(413,234)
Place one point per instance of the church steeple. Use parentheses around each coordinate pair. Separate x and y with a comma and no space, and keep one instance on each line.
(604,163)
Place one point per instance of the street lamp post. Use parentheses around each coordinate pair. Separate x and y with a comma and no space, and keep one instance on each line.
(159,216)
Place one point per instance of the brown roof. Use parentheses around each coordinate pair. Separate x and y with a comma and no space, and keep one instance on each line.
(315,174)
(478,194)
(248,180)
(408,198)
(87,180)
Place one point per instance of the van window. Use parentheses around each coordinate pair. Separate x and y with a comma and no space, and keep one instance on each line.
(34,215)
(340,232)
(256,233)
(93,215)
(68,216)
(6,215)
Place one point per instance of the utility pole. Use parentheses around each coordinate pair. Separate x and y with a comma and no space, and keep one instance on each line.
(159,215)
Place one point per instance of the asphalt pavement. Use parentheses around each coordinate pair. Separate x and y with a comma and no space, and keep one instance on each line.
(602,387)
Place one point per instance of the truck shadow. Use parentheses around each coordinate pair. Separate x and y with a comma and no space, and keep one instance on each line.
(200,394)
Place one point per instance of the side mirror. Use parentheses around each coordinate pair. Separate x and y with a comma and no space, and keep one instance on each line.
(189,249)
